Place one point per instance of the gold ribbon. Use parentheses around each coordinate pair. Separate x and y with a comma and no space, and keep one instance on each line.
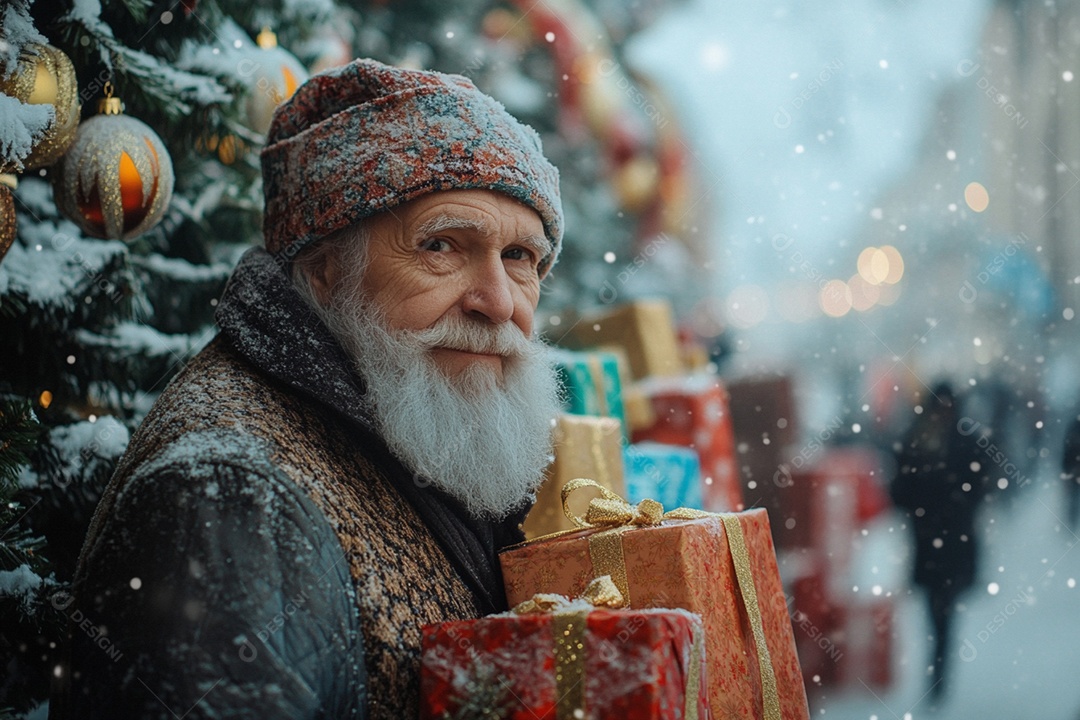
(600,592)
(568,628)
(596,373)
(614,516)
(693,677)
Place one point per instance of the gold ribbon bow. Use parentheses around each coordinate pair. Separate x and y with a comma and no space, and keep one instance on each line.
(613,515)
(610,510)
(600,592)
(568,628)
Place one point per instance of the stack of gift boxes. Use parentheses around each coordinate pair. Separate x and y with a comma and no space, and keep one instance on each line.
(822,500)
(642,591)
(844,624)
(645,417)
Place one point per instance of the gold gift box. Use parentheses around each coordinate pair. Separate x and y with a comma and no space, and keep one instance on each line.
(585,446)
(644,329)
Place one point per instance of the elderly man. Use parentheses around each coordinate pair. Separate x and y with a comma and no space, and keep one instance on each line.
(342,463)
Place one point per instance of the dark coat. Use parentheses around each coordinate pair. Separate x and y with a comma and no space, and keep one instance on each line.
(934,466)
(260,552)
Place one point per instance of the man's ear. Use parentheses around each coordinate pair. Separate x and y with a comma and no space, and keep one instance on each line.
(324,277)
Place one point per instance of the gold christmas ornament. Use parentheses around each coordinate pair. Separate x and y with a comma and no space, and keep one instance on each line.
(45,76)
(117,179)
(7,214)
(228,148)
(275,74)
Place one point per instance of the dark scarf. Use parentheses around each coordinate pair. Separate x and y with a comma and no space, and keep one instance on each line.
(267,323)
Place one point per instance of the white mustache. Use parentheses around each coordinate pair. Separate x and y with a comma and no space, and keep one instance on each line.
(467,335)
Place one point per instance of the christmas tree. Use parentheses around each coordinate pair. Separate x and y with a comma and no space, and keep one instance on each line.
(110,273)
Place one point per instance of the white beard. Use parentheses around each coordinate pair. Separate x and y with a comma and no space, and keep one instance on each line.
(484,442)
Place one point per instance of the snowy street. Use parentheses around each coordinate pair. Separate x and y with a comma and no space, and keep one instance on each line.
(1018,640)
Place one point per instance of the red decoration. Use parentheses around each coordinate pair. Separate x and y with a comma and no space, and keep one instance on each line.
(635,664)
(693,412)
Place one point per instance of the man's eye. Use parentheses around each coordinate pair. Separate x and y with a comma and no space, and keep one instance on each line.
(518,254)
(435,245)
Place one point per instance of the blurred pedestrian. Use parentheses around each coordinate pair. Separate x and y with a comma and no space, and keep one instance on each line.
(939,484)
(1070,472)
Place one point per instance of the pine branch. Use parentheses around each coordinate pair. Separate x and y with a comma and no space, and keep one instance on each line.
(139,76)
(138,9)
(19,434)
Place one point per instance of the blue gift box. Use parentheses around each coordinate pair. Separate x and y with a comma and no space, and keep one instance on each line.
(667,473)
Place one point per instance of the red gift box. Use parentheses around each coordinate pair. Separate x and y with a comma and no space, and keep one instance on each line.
(816,621)
(865,641)
(692,411)
(851,647)
(764,419)
(632,664)
(836,495)
(844,639)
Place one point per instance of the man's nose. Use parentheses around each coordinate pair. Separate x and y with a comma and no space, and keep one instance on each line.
(488,294)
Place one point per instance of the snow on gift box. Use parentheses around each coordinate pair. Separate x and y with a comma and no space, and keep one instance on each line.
(551,658)
(721,566)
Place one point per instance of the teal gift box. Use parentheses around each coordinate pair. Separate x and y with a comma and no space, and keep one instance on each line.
(593,384)
(669,474)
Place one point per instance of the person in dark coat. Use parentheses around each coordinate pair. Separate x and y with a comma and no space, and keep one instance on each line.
(343,462)
(940,483)
(1070,472)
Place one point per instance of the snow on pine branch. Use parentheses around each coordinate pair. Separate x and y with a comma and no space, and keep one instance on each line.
(21,125)
(182,270)
(55,268)
(129,339)
(81,452)
(24,586)
(16,31)
(233,57)
(172,89)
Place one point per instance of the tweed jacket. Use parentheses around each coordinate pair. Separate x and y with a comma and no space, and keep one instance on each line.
(260,552)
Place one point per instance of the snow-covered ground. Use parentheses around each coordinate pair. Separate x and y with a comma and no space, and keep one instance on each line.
(1017,653)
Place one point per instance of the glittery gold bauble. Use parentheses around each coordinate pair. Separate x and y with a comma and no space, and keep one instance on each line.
(116,180)
(7,219)
(274,74)
(45,76)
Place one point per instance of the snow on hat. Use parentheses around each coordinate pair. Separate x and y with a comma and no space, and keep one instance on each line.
(365,137)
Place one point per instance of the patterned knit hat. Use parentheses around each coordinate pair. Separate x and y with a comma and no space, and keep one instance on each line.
(366,137)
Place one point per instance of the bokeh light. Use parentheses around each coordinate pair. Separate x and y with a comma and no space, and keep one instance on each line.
(873,265)
(976,196)
(835,298)
(864,295)
(896,264)
(747,305)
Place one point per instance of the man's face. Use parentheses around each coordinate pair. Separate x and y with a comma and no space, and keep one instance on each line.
(437,320)
(472,253)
